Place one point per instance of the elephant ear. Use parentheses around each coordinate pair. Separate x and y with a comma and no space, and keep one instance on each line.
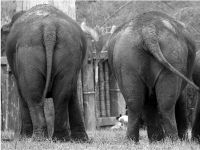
(6,28)
(90,31)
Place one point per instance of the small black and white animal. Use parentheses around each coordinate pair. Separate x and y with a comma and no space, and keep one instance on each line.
(122,121)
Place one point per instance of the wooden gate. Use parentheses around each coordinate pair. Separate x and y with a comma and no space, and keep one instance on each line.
(9,98)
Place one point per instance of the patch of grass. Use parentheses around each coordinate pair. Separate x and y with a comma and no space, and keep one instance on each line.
(102,140)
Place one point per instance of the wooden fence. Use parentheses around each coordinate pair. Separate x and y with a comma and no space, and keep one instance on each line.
(9,98)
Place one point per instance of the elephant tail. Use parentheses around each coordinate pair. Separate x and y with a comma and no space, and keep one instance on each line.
(151,41)
(49,37)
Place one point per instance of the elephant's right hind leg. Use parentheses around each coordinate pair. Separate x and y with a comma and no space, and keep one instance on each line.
(26,126)
(62,94)
(196,123)
(133,90)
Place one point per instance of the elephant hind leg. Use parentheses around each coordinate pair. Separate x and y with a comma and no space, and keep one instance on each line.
(76,119)
(26,126)
(154,128)
(31,84)
(62,94)
(181,118)
(167,91)
(133,90)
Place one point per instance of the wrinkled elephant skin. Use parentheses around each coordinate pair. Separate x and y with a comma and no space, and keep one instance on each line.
(45,50)
(152,58)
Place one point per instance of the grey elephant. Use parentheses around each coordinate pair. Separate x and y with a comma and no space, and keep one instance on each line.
(196,78)
(152,57)
(45,50)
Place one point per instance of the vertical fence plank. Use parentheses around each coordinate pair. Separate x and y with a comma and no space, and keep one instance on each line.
(102,91)
(89,96)
(97,99)
(3,96)
(107,87)
(7,98)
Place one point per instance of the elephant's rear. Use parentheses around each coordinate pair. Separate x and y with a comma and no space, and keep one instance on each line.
(154,53)
(44,47)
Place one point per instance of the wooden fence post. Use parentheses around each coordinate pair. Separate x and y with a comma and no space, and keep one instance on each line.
(97,99)
(102,91)
(107,88)
(7,98)
(89,96)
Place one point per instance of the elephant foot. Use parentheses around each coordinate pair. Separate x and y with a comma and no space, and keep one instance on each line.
(61,136)
(155,133)
(79,137)
(196,137)
(133,137)
(183,136)
(40,134)
(173,137)
(156,137)
(24,132)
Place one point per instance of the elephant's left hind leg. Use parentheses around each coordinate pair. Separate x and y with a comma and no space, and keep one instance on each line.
(181,118)
(75,119)
(154,128)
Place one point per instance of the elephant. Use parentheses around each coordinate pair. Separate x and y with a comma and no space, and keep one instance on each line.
(196,122)
(152,57)
(45,49)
